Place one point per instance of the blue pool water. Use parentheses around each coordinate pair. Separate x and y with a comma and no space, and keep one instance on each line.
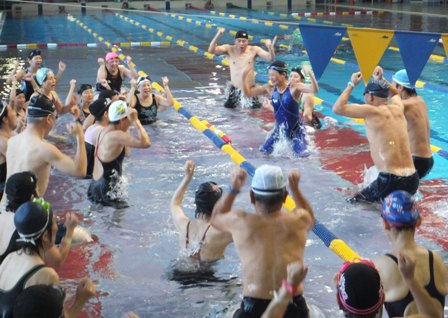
(135,248)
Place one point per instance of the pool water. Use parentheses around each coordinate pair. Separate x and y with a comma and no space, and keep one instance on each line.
(135,249)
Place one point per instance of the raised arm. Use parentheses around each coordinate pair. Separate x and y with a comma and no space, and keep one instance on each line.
(61,70)
(56,256)
(86,290)
(130,72)
(221,218)
(177,212)
(76,167)
(251,91)
(270,54)
(302,204)
(214,48)
(141,141)
(425,303)
(165,102)
(277,307)
(132,99)
(102,74)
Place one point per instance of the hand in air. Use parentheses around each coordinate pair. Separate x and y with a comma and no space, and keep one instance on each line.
(72,83)
(61,67)
(293,178)
(406,265)
(86,290)
(165,81)
(74,129)
(296,272)
(356,78)
(238,178)
(378,73)
(189,167)
(71,220)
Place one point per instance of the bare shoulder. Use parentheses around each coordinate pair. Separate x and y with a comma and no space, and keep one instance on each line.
(45,275)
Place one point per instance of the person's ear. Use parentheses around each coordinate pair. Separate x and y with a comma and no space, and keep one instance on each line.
(386,225)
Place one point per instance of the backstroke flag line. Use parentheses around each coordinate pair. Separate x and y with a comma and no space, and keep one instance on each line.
(320,43)
(415,49)
(369,46)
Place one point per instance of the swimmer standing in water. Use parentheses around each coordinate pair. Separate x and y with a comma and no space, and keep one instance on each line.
(284,98)
(241,56)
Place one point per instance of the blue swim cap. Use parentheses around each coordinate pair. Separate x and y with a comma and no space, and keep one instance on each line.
(398,209)
(41,75)
(401,77)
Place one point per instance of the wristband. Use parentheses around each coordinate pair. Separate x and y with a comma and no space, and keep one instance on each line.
(350,83)
(232,190)
(290,288)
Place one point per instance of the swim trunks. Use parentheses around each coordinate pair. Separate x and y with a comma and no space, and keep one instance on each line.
(385,184)
(255,307)
(423,165)
(235,97)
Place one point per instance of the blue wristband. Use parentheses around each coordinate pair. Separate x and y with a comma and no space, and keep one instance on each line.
(232,190)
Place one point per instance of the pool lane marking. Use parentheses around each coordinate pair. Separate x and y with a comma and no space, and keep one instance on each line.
(89,45)
(338,246)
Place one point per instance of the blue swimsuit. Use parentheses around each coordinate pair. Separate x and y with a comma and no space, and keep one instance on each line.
(287,122)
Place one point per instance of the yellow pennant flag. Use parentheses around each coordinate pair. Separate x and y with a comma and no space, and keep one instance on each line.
(445,43)
(369,46)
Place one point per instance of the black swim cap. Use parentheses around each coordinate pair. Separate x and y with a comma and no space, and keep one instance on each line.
(299,71)
(40,106)
(40,301)
(31,220)
(21,186)
(99,107)
(278,66)
(207,194)
(19,91)
(83,88)
(378,88)
(241,35)
(34,53)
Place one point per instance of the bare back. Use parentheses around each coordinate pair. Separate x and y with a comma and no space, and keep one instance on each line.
(27,152)
(266,244)
(389,144)
(416,114)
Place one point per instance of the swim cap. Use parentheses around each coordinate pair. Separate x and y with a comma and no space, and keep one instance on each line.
(241,35)
(278,66)
(34,53)
(21,186)
(142,79)
(111,55)
(398,209)
(83,88)
(268,180)
(99,107)
(41,75)
(104,94)
(118,110)
(360,291)
(401,77)
(378,88)
(299,71)
(40,301)
(31,220)
(206,196)
(40,106)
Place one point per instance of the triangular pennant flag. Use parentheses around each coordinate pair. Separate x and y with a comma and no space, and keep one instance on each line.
(369,46)
(445,43)
(415,49)
(320,43)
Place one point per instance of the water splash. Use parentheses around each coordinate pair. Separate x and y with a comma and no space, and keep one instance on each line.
(119,189)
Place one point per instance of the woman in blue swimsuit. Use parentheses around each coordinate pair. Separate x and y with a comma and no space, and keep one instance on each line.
(284,98)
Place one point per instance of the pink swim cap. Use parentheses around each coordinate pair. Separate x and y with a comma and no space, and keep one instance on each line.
(111,55)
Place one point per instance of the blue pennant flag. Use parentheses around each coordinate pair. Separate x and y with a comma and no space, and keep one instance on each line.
(415,49)
(320,43)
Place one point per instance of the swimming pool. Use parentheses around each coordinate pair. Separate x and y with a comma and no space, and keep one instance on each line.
(134,249)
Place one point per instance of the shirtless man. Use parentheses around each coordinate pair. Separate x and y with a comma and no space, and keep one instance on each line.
(110,74)
(387,135)
(29,151)
(241,56)
(416,114)
(267,240)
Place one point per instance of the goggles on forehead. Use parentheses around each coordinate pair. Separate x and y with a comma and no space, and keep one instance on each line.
(278,69)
